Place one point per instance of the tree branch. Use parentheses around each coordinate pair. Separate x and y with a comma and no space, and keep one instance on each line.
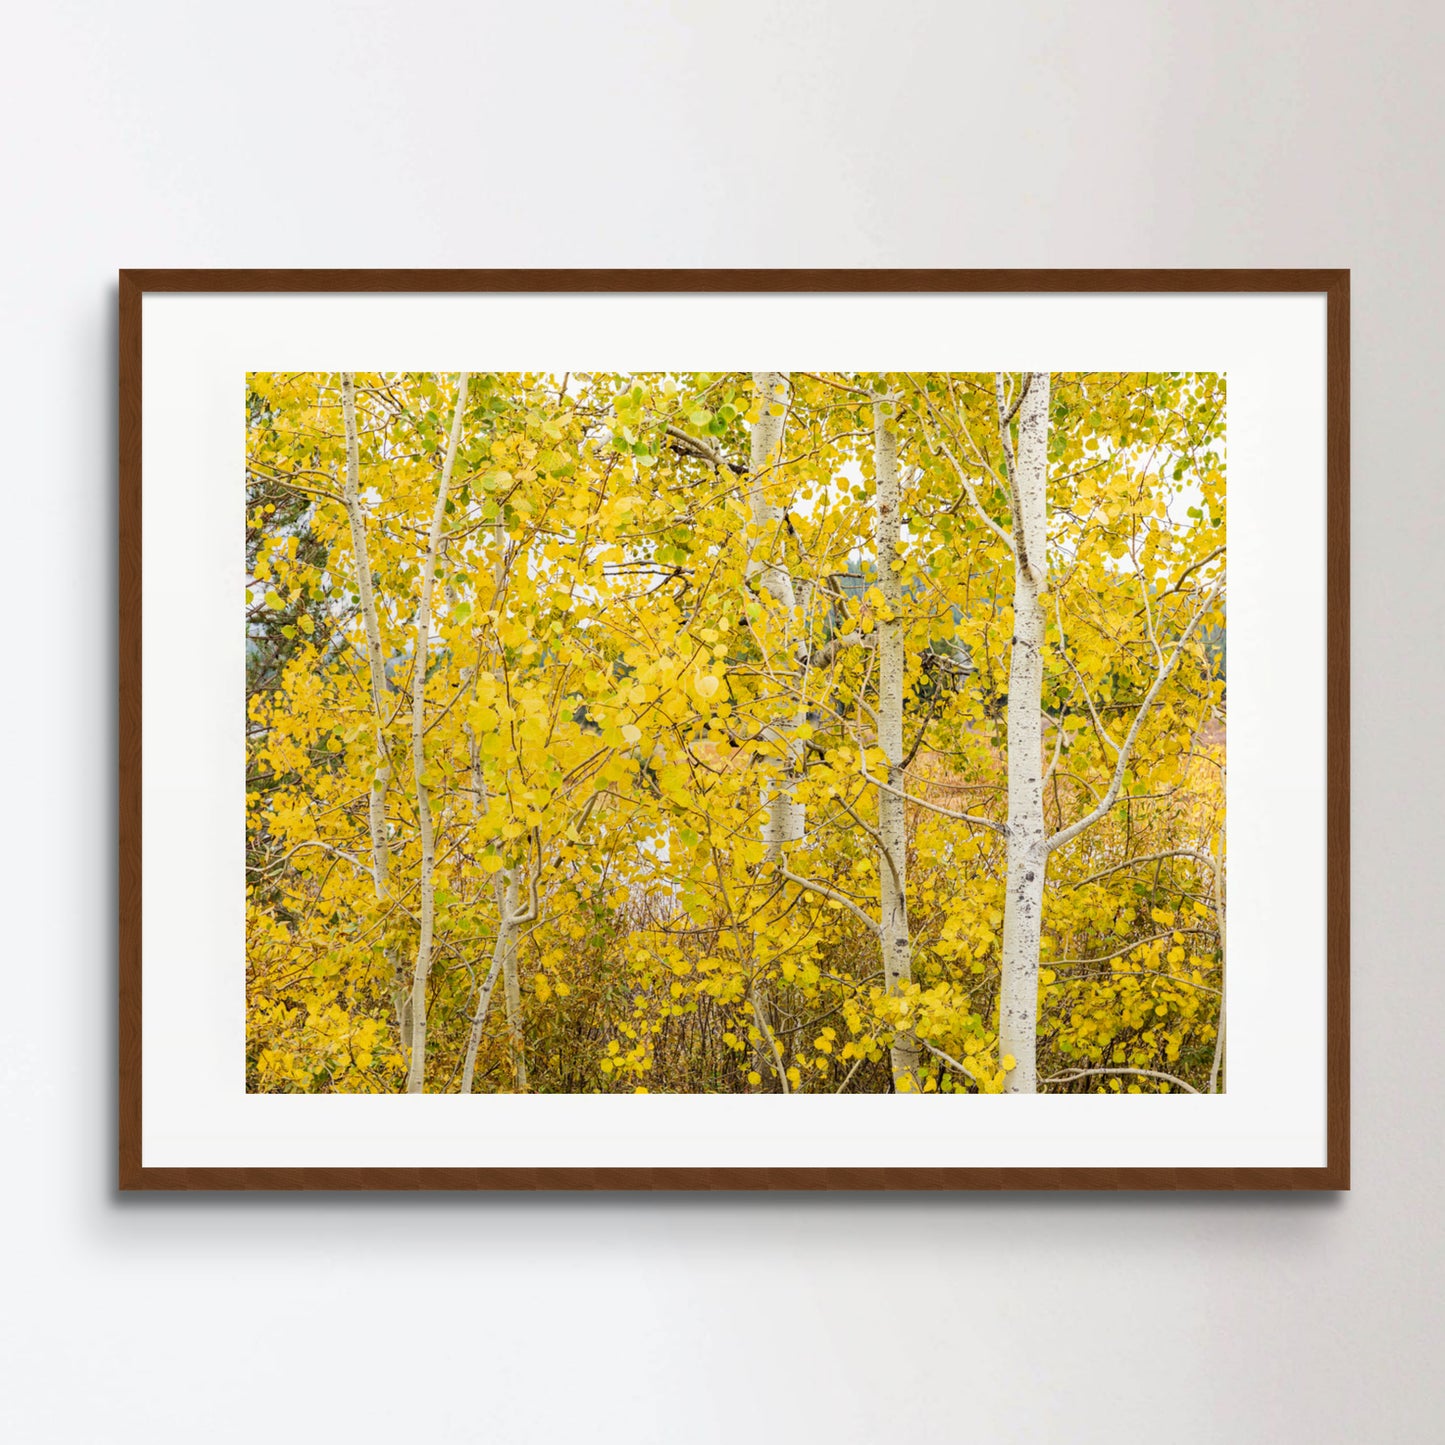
(1145,858)
(1134,973)
(936,445)
(1119,952)
(949,1059)
(1147,1073)
(767,1033)
(1019,399)
(704,451)
(840,898)
(830,649)
(933,807)
(1067,835)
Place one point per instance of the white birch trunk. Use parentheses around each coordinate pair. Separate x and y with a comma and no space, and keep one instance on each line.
(765,454)
(506,883)
(783,815)
(1217,858)
(507,891)
(426,890)
(892,835)
(506,928)
(381,766)
(504,950)
(1027,841)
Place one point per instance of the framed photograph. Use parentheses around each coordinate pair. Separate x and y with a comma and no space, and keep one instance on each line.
(557,755)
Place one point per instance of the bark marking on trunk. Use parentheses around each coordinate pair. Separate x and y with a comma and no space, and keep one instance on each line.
(1027,841)
(783,815)
(416,1071)
(381,764)
(892,823)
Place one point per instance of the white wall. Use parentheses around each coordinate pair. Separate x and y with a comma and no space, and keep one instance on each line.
(1021,134)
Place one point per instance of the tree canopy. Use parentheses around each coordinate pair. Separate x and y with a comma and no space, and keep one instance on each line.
(651,731)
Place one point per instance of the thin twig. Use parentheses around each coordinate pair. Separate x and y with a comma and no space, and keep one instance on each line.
(1147,1073)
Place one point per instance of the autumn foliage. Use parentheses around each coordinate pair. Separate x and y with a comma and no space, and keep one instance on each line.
(552,784)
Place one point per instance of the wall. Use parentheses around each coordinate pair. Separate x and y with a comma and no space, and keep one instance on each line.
(846,134)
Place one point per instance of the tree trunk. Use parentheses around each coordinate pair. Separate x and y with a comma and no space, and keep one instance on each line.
(506,882)
(505,948)
(507,930)
(1027,842)
(782,815)
(416,1071)
(1217,858)
(766,447)
(381,766)
(893,840)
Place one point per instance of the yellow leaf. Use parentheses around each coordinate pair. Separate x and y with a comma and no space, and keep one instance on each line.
(632,735)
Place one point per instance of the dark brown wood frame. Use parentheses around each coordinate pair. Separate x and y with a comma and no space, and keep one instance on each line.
(1334,1174)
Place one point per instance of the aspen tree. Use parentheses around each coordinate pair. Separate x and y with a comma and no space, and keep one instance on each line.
(1027,845)
(381,767)
(893,936)
(416,1071)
